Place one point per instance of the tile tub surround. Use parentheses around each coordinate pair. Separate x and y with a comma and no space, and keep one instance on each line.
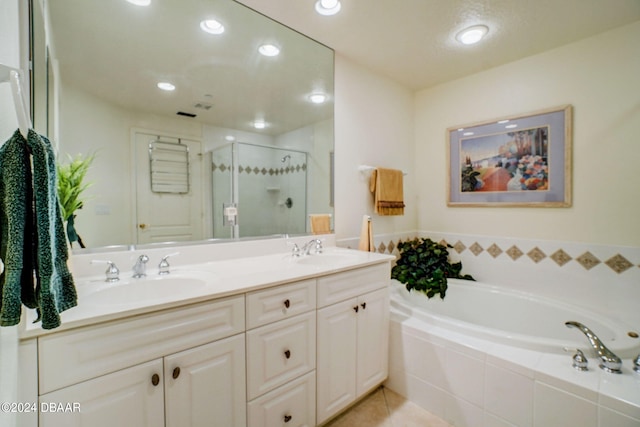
(602,278)
(471,382)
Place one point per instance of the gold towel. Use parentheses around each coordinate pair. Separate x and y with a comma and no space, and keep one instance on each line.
(320,223)
(366,235)
(386,186)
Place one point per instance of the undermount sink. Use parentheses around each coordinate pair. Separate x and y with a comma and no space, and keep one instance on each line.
(148,289)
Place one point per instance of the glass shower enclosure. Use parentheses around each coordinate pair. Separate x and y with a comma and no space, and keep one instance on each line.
(258,191)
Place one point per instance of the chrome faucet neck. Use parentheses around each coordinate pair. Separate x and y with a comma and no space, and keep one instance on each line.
(313,243)
(608,360)
(140,267)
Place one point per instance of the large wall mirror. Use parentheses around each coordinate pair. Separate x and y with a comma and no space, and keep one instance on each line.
(236,142)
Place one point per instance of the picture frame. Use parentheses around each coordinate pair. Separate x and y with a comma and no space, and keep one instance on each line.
(516,161)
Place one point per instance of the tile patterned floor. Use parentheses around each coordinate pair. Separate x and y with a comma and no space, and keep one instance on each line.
(385,408)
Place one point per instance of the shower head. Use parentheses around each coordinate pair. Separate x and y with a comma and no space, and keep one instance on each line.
(284,159)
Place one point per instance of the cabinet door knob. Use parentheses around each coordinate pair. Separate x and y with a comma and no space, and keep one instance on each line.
(355,308)
(287,354)
(176,372)
(287,418)
(364,305)
(142,226)
(287,303)
(155,379)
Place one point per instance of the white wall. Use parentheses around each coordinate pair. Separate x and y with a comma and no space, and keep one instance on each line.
(373,126)
(90,125)
(10,56)
(599,76)
(10,42)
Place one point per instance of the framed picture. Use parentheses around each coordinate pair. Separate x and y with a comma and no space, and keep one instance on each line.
(522,160)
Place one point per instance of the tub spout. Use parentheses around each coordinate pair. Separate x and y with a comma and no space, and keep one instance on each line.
(609,361)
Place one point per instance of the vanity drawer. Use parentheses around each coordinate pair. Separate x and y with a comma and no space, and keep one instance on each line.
(70,357)
(291,405)
(341,286)
(280,352)
(281,302)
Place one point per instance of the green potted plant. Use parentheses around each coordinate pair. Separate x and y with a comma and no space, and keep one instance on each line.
(424,266)
(71,185)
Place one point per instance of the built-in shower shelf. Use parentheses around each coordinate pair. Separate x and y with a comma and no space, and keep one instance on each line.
(273,189)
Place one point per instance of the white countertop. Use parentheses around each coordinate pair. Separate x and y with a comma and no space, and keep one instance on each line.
(201,282)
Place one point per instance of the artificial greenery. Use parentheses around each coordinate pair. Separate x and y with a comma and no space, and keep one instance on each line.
(71,185)
(424,266)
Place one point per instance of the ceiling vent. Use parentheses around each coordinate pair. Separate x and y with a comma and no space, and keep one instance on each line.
(202,106)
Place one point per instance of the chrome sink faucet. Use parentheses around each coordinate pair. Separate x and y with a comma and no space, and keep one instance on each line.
(314,243)
(609,361)
(140,267)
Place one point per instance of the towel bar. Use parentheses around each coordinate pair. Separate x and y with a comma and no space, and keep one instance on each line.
(367,169)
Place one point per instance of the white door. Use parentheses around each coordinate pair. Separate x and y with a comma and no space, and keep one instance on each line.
(373,338)
(167,216)
(205,386)
(130,397)
(336,358)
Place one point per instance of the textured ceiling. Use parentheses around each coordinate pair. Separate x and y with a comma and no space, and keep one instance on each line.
(413,41)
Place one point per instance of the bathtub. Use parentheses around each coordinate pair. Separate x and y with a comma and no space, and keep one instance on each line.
(513,318)
(487,355)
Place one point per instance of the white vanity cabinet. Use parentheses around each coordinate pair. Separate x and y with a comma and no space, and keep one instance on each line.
(286,354)
(281,355)
(132,396)
(206,383)
(185,362)
(353,328)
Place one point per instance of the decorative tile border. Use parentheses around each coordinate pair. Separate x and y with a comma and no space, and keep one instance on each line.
(260,170)
(618,263)
(603,278)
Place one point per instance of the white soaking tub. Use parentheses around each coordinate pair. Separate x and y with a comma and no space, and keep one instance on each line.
(490,356)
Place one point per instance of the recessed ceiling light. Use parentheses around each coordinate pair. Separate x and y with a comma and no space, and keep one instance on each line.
(140,2)
(212,26)
(259,124)
(318,97)
(269,50)
(230,138)
(473,34)
(328,7)
(166,86)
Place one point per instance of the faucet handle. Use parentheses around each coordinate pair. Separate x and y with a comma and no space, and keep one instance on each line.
(163,267)
(580,362)
(295,251)
(112,273)
(636,364)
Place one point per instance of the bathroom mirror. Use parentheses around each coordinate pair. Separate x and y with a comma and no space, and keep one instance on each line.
(105,61)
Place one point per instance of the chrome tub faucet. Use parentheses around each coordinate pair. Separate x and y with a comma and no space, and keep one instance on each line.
(608,360)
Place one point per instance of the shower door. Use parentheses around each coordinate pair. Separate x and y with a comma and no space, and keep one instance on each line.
(223,190)
(268,186)
(272,191)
